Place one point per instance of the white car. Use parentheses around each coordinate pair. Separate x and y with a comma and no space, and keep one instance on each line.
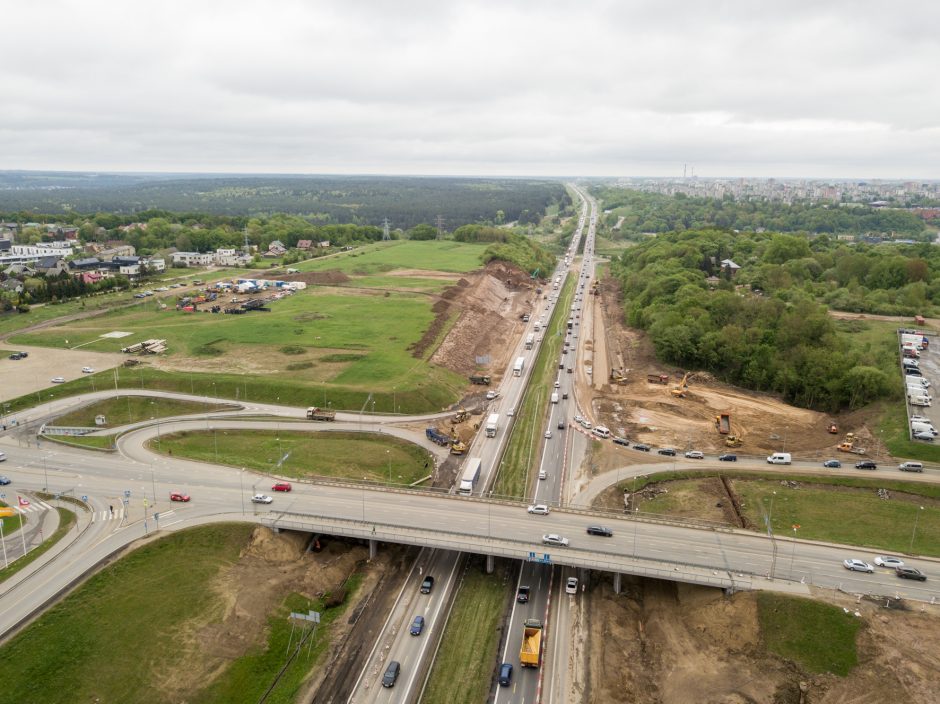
(694,455)
(555,539)
(261,499)
(920,419)
(511,412)
(490,395)
(548,434)
(538,509)
(543,474)
(557,384)
(87,370)
(571,586)
(586,424)
(58,380)
(857,566)
(162,288)
(885,561)
(578,419)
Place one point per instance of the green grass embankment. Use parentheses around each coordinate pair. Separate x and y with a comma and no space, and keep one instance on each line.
(66,522)
(463,668)
(523,447)
(124,410)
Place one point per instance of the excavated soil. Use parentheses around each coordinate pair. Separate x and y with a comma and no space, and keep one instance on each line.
(667,643)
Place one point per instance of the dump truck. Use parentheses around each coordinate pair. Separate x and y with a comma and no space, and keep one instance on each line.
(436,436)
(482,379)
(723,423)
(314,413)
(492,425)
(657,378)
(531,653)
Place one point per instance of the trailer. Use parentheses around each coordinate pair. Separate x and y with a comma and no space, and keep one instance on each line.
(492,425)
(657,378)
(471,473)
(518,366)
(529,341)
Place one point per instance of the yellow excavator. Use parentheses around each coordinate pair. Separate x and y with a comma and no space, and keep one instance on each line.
(683,386)
(733,441)
(618,377)
(457,446)
(460,416)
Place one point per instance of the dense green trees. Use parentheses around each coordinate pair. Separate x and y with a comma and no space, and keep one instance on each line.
(522,251)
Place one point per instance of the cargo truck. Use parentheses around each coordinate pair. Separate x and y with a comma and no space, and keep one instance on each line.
(531,653)
(555,397)
(468,480)
(434,435)
(482,379)
(518,366)
(657,378)
(314,413)
(529,341)
(723,421)
(492,425)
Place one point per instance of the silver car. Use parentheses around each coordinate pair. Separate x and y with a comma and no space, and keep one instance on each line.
(261,499)
(857,566)
(555,539)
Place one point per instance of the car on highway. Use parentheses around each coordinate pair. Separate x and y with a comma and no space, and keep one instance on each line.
(694,455)
(832,464)
(571,585)
(538,509)
(58,380)
(555,539)
(391,674)
(642,447)
(511,412)
(728,457)
(621,441)
(887,561)
(522,596)
(543,474)
(561,425)
(427,584)
(505,674)
(548,434)
(924,435)
(599,530)
(4,480)
(866,464)
(179,496)
(557,384)
(417,626)
(857,565)
(88,370)
(281,486)
(3,457)
(261,499)
(666,451)
(910,573)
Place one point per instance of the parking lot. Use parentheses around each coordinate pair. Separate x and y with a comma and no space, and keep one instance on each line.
(928,363)
(35,372)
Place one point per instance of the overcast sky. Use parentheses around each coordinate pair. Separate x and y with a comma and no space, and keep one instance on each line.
(817,88)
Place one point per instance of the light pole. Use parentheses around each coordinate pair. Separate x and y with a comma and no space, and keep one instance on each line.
(241,487)
(770,516)
(388,454)
(914,532)
(793,551)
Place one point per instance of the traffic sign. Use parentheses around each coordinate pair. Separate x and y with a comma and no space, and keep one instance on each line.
(3,496)
(127,493)
(145,503)
(84,497)
(7,511)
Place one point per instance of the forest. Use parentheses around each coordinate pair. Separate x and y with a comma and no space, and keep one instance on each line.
(765,326)
(324,200)
(654,212)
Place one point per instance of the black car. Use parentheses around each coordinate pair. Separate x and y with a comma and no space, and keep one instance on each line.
(522,596)
(505,674)
(641,447)
(728,457)
(621,441)
(912,371)
(4,480)
(391,674)
(866,464)
(666,451)
(910,573)
(599,530)
(561,425)
(417,626)
(427,585)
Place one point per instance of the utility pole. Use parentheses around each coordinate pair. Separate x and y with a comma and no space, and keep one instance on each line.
(440,227)
(386,230)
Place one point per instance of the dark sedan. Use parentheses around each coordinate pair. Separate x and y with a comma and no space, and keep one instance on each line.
(728,457)
(910,573)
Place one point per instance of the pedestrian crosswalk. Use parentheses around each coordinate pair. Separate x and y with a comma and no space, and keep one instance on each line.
(108,515)
(37,507)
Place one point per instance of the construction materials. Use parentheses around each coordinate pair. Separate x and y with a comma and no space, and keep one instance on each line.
(315,413)
(531,653)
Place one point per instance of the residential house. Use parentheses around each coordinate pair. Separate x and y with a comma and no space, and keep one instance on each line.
(275,249)
(51,266)
(304,244)
(12,285)
(324,244)
(188,259)
(729,266)
(231,257)
(154,264)
(19,269)
(87,264)
(91,277)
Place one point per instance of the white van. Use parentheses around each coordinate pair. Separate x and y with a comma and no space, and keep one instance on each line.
(911,467)
(922,401)
(921,427)
(779,458)
(601,432)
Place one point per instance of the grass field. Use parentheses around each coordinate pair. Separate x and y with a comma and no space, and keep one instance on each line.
(528,425)
(437,255)
(819,637)
(66,521)
(94,442)
(359,456)
(843,510)
(122,410)
(463,669)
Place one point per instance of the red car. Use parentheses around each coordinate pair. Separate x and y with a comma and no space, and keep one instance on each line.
(281,486)
(178,496)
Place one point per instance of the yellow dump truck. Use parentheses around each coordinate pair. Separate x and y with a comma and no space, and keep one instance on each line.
(531,653)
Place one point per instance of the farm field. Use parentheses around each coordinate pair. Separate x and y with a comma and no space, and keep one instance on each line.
(441,255)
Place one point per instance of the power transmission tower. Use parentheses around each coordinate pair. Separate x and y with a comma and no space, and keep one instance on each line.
(440,227)
(386,232)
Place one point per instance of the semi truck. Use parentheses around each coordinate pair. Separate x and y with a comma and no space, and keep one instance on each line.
(723,421)
(435,435)
(492,425)
(530,340)
(468,480)
(482,379)
(314,413)
(518,366)
(531,653)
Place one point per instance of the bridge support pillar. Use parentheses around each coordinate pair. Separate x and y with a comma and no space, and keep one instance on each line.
(373,549)
(490,564)
(617,576)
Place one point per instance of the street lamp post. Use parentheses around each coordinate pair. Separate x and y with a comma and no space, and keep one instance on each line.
(793,551)
(241,487)
(914,532)
(388,454)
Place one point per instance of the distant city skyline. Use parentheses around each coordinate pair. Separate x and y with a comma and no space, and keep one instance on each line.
(834,90)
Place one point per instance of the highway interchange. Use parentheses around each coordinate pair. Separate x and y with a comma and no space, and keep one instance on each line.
(448,526)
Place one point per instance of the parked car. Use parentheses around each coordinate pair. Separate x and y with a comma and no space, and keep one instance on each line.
(857,565)
(586,424)
(3,456)
(599,530)
(88,370)
(58,380)
(281,486)
(538,509)
(4,480)
(261,499)
(866,464)
(571,585)
(694,455)
(427,584)
(18,355)
(417,626)
(642,447)
(178,496)
(924,435)
(666,451)
(886,561)
(728,457)
(910,573)
(621,441)
(555,539)
(832,464)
